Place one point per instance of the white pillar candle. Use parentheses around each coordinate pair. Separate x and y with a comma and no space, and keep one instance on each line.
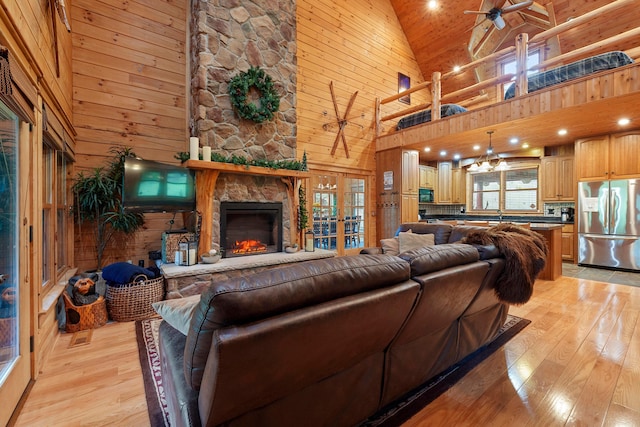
(206,153)
(194,144)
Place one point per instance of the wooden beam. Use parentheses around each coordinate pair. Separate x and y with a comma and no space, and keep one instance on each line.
(406,111)
(587,50)
(405,93)
(586,18)
(477,87)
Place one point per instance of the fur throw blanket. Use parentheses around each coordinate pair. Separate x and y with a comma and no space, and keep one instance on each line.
(525,254)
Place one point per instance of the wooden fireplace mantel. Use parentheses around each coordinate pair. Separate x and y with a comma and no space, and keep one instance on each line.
(206,176)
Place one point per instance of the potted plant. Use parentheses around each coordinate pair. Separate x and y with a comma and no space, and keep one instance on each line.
(98,201)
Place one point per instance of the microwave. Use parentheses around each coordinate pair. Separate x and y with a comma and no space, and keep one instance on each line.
(425,195)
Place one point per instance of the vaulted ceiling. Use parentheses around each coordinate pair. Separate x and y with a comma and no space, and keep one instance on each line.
(446,36)
(440,38)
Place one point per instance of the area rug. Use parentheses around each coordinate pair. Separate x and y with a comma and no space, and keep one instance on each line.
(394,415)
(147,338)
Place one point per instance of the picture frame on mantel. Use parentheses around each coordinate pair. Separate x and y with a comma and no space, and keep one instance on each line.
(404,83)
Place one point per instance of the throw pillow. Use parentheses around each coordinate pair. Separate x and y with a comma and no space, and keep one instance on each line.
(410,241)
(390,246)
(178,311)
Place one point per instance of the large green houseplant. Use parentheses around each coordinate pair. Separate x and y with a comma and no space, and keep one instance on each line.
(98,202)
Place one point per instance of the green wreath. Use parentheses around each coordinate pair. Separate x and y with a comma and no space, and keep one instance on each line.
(239,89)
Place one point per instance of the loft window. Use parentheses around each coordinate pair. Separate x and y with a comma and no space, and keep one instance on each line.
(509,67)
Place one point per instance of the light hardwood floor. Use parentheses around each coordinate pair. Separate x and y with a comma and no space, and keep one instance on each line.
(577,363)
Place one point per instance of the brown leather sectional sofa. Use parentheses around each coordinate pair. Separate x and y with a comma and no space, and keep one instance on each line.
(330,342)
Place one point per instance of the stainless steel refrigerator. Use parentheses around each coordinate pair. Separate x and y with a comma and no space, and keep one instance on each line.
(609,223)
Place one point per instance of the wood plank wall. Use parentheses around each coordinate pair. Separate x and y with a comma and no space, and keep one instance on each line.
(359,46)
(37,55)
(26,28)
(129,89)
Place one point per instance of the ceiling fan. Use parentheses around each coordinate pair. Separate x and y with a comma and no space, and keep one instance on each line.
(495,14)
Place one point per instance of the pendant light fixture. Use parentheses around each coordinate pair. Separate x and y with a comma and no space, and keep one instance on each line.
(485,165)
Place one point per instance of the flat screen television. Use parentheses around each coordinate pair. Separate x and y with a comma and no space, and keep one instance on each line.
(150,186)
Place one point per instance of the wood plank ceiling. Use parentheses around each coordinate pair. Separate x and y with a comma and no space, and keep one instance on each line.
(440,38)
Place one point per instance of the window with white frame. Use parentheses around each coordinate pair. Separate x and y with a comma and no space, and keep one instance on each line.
(513,190)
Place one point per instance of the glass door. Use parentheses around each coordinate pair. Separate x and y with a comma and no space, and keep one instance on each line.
(15,360)
(338,205)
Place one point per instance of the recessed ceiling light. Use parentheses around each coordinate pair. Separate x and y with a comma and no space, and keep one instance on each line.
(476,147)
(525,145)
(456,68)
(624,121)
(456,157)
(427,149)
(432,4)
(562,132)
(443,153)
(514,140)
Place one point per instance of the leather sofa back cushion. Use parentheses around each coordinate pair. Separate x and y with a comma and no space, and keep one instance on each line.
(433,258)
(441,232)
(272,292)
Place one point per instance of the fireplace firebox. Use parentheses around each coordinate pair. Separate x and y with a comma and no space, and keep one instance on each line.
(250,228)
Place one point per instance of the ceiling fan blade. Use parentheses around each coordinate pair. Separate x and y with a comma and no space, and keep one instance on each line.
(517,6)
(474,12)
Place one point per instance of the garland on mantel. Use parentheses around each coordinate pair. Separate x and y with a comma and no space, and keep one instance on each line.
(269,101)
(295,165)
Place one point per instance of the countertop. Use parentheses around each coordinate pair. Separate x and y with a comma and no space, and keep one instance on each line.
(496,219)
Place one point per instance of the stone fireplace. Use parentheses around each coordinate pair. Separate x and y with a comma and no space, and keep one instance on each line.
(250,228)
(228,38)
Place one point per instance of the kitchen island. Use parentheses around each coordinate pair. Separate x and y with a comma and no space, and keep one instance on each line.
(553,234)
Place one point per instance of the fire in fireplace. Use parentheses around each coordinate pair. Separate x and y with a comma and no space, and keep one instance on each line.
(250,228)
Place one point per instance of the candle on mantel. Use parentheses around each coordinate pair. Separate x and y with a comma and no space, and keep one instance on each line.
(194,144)
(206,153)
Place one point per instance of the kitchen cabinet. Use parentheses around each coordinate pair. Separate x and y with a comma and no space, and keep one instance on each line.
(458,186)
(558,178)
(443,192)
(397,190)
(553,235)
(452,184)
(410,172)
(427,177)
(568,243)
(409,211)
(608,156)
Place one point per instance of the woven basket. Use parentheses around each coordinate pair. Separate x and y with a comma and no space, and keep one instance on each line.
(132,301)
(81,317)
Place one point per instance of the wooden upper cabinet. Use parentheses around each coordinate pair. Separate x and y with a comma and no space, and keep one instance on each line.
(444,188)
(558,178)
(608,156)
(427,177)
(458,186)
(624,155)
(592,155)
(410,172)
